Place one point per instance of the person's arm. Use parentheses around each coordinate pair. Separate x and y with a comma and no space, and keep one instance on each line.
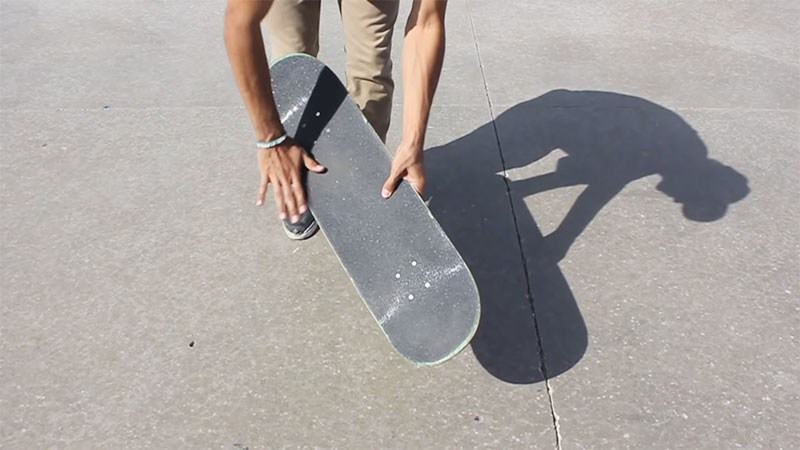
(281,164)
(423,54)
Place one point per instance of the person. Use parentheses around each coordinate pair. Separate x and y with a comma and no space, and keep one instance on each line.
(293,27)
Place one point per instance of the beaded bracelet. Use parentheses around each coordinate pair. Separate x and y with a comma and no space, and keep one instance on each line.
(273,143)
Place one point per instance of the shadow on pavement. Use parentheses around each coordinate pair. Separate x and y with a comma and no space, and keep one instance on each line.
(610,140)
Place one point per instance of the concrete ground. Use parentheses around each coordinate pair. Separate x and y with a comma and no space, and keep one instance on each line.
(629,167)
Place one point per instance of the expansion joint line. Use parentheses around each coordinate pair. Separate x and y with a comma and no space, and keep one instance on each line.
(528,291)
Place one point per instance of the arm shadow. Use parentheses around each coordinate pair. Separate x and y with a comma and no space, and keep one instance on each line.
(531,326)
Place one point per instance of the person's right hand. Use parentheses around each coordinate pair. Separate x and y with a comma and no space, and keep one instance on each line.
(281,165)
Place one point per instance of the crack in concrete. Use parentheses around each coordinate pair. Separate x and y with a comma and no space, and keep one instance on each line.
(528,290)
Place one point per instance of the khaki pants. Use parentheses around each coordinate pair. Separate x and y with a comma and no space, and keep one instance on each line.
(293,27)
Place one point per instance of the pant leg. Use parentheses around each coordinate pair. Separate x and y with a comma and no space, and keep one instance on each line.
(293,27)
(368,26)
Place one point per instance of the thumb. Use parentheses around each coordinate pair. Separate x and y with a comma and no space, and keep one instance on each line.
(391,184)
(312,164)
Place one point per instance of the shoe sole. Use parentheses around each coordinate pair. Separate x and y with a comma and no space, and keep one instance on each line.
(304,235)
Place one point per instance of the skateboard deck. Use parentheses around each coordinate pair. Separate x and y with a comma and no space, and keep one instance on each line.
(406,270)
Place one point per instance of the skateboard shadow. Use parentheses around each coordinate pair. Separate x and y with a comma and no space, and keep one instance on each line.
(610,140)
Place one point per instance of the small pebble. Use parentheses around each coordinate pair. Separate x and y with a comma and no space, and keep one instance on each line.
(427,285)
(397,275)
(191,344)
(410,297)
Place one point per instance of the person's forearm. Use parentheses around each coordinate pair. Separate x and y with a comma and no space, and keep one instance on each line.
(249,62)
(423,54)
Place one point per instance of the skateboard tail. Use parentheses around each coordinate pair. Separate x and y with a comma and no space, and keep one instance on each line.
(439,359)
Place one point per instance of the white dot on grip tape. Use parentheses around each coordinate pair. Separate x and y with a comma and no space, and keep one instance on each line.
(397,275)
(413,263)
(410,297)
(427,285)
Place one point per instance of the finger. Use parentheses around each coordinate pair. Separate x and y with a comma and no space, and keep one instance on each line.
(415,175)
(299,195)
(262,191)
(312,164)
(289,201)
(276,192)
(417,183)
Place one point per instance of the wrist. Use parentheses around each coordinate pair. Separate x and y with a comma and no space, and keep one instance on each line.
(269,129)
(412,142)
(269,134)
(409,152)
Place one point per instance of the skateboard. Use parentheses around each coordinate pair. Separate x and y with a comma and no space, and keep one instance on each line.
(406,270)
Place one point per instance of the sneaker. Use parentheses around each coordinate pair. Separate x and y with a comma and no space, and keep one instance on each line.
(303,229)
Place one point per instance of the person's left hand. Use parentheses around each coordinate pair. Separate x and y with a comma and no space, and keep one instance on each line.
(406,165)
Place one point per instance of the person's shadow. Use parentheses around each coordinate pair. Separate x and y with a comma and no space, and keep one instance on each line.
(610,140)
